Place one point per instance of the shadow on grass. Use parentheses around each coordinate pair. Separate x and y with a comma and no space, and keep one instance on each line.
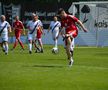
(45,66)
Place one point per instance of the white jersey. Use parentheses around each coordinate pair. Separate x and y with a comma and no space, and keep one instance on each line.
(55,26)
(5,30)
(31,24)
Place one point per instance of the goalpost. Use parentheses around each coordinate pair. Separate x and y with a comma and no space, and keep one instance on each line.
(94,15)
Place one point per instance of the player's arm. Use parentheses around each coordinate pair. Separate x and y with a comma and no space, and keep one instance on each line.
(78,21)
(82,26)
(9,29)
(49,28)
(23,29)
(28,25)
(13,28)
(41,29)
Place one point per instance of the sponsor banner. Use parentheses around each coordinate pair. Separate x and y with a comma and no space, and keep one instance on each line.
(95,18)
(11,11)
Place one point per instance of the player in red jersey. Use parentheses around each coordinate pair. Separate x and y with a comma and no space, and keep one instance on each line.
(68,22)
(38,37)
(18,28)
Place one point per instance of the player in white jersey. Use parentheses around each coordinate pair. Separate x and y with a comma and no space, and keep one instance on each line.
(55,27)
(32,27)
(4,28)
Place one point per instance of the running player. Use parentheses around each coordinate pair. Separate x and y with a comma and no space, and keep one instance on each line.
(55,27)
(38,38)
(4,28)
(32,27)
(18,28)
(71,31)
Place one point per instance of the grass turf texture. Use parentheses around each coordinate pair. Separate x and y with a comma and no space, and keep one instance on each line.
(22,71)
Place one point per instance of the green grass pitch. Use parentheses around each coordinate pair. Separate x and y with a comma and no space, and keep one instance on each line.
(22,71)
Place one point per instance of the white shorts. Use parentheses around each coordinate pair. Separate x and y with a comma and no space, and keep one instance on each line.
(31,37)
(55,34)
(4,37)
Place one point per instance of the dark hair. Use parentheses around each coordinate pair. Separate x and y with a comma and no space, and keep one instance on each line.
(60,10)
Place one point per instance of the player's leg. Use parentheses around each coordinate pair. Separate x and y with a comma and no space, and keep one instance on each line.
(40,44)
(72,47)
(30,43)
(6,47)
(72,36)
(3,46)
(54,36)
(5,43)
(15,44)
(69,40)
(35,44)
(19,40)
(56,39)
(68,43)
(16,41)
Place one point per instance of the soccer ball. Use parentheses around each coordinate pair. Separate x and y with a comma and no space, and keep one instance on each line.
(55,50)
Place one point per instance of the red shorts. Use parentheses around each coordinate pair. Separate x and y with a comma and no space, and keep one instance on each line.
(73,33)
(39,36)
(17,34)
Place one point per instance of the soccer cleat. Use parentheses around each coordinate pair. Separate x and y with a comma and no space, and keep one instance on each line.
(6,53)
(3,50)
(30,52)
(42,51)
(71,62)
(36,51)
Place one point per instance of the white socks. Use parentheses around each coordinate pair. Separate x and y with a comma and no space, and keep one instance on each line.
(30,47)
(3,46)
(6,48)
(55,43)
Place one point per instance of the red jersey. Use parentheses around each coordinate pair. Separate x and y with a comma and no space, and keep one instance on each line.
(39,33)
(69,23)
(18,26)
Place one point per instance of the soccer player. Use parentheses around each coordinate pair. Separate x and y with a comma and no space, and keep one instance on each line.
(72,43)
(4,28)
(71,31)
(38,38)
(18,28)
(32,26)
(54,27)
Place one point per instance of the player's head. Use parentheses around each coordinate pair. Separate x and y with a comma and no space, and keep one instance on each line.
(3,18)
(62,13)
(16,18)
(55,18)
(34,17)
